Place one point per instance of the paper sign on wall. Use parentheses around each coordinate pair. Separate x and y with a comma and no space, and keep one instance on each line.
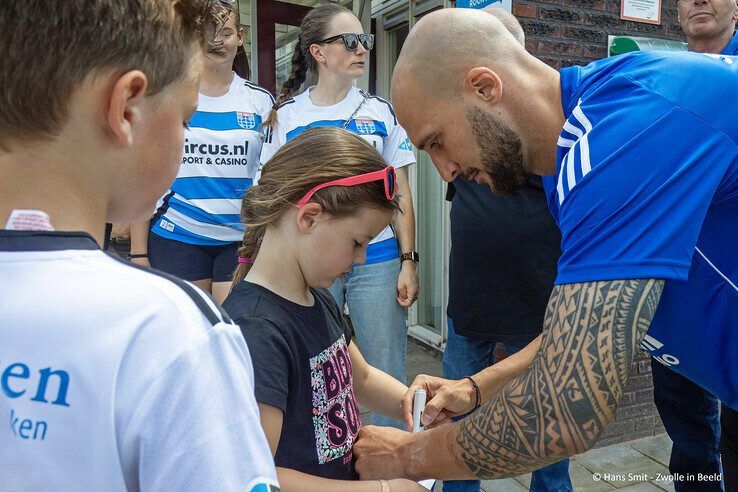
(648,11)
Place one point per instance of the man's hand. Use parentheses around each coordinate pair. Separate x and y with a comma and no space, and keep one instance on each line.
(407,284)
(446,399)
(379,452)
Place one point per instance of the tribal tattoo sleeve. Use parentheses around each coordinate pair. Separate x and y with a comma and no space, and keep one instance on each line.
(563,402)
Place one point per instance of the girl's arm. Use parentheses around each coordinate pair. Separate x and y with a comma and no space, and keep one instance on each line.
(374,389)
(289,480)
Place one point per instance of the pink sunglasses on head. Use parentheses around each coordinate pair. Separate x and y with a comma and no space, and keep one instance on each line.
(387,175)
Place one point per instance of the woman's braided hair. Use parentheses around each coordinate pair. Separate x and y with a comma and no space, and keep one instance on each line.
(313,29)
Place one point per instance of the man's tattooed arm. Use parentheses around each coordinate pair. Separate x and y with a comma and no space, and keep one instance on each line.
(563,402)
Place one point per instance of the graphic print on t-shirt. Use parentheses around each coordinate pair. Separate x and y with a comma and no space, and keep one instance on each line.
(335,412)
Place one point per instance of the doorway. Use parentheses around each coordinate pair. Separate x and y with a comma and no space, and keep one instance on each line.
(277,25)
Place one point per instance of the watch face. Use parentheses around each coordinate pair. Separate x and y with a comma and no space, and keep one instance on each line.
(412,255)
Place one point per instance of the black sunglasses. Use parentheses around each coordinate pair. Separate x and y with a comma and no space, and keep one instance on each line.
(351,41)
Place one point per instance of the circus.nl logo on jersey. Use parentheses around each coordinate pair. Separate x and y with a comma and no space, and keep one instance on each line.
(247,121)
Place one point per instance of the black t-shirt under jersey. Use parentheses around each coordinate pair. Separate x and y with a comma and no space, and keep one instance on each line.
(504,252)
(301,366)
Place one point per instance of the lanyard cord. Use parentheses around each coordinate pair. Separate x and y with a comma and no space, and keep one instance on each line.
(343,127)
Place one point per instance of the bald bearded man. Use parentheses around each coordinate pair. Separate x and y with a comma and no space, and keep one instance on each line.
(641,168)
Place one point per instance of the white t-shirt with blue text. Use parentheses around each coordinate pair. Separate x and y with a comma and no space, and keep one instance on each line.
(113,377)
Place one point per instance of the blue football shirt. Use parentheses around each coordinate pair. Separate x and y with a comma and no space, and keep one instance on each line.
(646,186)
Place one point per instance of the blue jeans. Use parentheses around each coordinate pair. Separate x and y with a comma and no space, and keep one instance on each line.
(691,418)
(467,356)
(379,321)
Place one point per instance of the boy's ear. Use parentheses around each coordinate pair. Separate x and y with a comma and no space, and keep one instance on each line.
(308,217)
(124,105)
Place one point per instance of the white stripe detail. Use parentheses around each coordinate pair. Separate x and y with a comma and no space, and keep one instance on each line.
(568,164)
(584,155)
(217,232)
(565,142)
(560,183)
(214,206)
(579,115)
(222,171)
(651,343)
(716,269)
(571,178)
(583,142)
(568,127)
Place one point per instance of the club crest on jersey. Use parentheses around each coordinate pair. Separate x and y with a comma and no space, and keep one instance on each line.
(406,145)
(246,120)
(365,127)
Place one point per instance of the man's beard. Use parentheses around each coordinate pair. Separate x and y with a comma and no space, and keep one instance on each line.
(500,150)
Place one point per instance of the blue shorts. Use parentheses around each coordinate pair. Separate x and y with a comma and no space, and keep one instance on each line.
(192,261)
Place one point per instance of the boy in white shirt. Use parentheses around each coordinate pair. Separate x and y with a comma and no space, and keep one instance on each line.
(112,377)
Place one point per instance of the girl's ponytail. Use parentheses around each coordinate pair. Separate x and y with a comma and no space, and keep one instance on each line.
(247,252)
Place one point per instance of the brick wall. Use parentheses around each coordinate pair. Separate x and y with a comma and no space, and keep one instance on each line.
(574,32)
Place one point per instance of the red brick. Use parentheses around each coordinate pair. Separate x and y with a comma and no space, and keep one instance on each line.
(570,48)
(569,16)
(596,53)
(524,10)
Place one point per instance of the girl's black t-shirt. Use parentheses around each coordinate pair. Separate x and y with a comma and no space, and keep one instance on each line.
(302,366)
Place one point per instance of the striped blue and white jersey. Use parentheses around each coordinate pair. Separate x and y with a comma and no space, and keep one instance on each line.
(220,160)
(375,121)
(647,187)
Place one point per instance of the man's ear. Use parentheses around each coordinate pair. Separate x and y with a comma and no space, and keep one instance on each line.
(124,105)
(308,217)
(485,84)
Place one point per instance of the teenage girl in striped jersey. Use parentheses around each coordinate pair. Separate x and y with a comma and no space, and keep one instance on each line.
(196,230)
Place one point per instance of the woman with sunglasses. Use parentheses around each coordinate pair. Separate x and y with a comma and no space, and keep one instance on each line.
(331,45)
(196,230)
(319,201)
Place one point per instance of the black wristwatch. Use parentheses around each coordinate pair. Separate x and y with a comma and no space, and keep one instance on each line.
(411,255)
